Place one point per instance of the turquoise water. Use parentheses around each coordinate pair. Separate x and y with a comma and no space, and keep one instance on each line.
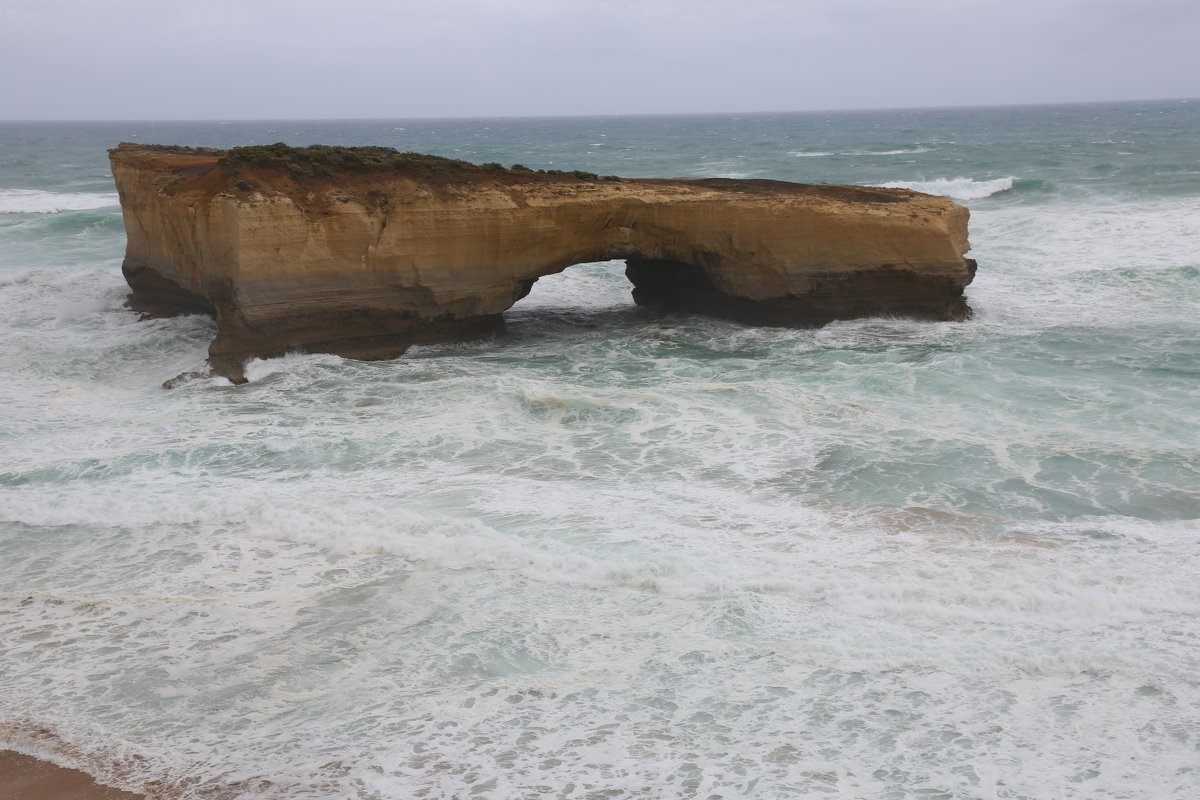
(622,553)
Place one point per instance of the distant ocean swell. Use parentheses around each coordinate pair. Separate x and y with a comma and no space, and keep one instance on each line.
(901,151)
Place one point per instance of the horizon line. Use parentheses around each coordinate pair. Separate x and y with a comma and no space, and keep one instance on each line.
(612,115)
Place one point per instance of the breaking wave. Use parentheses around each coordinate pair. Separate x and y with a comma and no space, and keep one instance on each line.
(959,188)
(35,201)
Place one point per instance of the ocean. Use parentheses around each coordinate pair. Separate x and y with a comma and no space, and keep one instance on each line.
(623,553)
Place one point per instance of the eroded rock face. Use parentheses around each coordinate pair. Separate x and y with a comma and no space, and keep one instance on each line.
(364,252)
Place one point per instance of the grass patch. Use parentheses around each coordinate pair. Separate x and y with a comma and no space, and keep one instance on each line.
(326,161)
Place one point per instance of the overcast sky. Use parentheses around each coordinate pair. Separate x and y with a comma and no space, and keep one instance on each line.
(268,59)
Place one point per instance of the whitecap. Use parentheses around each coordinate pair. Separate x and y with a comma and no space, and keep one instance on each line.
(956,188)
(36,201)
(898,152)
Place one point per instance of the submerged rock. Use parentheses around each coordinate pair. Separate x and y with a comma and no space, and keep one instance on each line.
(184,378)
(364,252)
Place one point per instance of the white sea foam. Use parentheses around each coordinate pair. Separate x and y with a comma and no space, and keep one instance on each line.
(1093,263)
(35,201)
(364,651)
(724,168)
(956,188)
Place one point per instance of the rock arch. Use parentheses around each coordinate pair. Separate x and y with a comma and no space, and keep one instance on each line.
(291,252)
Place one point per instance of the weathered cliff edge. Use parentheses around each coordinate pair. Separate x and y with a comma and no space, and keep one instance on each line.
(364,252)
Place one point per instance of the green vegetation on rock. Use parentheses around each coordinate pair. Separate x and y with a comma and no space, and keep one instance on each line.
(324,161)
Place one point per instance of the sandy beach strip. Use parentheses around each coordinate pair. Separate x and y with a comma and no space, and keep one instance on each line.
(27,778)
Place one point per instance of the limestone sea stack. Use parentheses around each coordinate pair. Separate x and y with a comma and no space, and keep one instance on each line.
(365,251)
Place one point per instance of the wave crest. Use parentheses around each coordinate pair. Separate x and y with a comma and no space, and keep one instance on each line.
(897,152)
(36,201)
(956,188)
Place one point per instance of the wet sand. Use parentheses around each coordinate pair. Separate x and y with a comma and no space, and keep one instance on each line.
(27,778)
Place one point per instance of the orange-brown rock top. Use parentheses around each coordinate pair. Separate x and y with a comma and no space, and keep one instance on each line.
(364,252)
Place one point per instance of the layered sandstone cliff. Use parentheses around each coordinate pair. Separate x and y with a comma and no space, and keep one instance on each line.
(364,251)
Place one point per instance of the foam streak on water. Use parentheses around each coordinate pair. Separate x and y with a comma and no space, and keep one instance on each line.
(619,552)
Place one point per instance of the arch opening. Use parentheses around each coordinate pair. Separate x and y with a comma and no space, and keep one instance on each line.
(592,287)
(659,283)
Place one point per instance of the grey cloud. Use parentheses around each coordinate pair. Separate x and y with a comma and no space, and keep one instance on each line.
(360,58)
